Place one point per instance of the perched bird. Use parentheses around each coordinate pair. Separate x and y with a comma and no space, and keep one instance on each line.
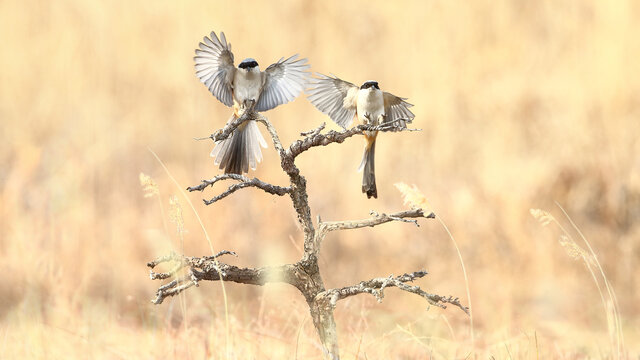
(246,88)
(344,101)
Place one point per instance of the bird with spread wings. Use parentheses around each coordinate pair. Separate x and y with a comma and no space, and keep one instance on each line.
(246,88)
(344,102)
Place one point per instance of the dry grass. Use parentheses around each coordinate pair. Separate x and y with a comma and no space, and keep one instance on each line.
(522,104)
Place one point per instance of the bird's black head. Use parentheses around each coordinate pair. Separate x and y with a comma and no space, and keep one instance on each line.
(370,84)
(248,64)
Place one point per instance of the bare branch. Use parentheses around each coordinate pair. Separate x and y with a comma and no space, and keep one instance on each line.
(274,134)
(203,185)
(315,131)
(227,130)
(298,189)
(223,252)
(244,182)
(163,259)
(181,259)
(317,139)
(181,263)
(376,288)
(209,268)
(377,219)
(271,189)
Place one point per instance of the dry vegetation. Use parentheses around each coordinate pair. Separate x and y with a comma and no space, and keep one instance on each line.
(522,103)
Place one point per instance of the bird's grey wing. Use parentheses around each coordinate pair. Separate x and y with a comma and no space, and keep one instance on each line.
(334,97)
(397,110)
(283,82)
(214,67)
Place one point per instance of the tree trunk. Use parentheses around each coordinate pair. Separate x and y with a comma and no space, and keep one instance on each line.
(322,315)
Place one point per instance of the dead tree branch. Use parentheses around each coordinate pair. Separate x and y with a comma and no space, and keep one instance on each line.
(377,286)
(304,274)
(209,268)
(244,182)
(273,133)
(230,126)
(315,131)
(315,138)
(377,219)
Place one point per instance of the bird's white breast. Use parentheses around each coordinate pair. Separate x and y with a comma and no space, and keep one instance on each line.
(247,85)
(371,103)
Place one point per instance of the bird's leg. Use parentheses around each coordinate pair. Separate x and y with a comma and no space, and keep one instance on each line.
(247,105)
(368,121)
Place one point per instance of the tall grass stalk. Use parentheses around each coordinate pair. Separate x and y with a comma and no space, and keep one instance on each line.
(612,296)
(466,284)
(590,259)
(206,235)
(414,196)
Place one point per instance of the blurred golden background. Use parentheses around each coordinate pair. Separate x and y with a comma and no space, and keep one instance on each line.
(522,104)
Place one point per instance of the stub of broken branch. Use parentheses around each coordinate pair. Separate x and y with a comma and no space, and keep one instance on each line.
(377,286)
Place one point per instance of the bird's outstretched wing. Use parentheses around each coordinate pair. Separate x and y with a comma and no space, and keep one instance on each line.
(335,97)
(214,67)
(397,110)
(283,82)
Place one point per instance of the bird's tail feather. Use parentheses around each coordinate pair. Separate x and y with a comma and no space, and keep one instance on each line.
(241,150)
(369,173)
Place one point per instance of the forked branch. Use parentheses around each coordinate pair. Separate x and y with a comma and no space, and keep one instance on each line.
(243,183)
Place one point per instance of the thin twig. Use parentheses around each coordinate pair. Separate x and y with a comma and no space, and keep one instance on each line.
(268,188)
(203,185)
(315,131)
